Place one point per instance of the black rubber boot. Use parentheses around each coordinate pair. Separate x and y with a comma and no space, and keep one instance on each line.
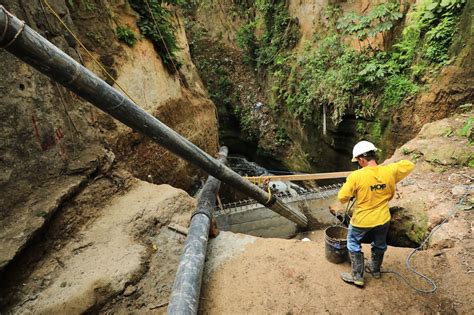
(357,275)
(375,263)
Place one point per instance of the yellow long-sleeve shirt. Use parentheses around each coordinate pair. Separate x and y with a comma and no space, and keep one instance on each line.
(374,187)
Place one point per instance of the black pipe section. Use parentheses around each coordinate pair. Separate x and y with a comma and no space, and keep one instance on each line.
(187,283)
(32,48)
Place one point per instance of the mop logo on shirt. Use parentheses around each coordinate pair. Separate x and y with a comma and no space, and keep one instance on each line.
(378,187)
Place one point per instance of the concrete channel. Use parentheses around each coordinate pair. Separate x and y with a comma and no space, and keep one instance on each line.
(254,219)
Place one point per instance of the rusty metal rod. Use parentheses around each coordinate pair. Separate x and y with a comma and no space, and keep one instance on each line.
(29,46)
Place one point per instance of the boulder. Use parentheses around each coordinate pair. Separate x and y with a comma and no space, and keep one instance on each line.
(408,226)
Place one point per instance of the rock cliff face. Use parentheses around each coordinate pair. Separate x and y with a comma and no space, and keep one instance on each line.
(53,143)
(453,87)
(278,134)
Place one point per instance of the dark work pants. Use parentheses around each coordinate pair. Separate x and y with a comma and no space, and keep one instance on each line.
(377,235)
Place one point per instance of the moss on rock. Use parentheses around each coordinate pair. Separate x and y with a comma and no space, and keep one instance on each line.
(409,224)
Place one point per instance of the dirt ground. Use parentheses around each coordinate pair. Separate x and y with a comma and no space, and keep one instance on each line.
(275,276)
(107,250)
(99,248)
(248,275)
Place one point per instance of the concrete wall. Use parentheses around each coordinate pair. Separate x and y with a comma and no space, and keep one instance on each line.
(259,221)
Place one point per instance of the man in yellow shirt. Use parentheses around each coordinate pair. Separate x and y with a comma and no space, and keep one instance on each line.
(373,186)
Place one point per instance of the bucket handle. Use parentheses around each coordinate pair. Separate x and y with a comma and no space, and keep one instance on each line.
(349,206)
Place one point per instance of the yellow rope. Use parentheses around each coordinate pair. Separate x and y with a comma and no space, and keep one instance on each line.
(259,180)
(269,194)
(88,52)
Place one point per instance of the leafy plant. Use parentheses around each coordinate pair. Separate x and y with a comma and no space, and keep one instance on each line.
(280,33)
(396,88)
(378,20)
(471,163)
(248,42)
(155,23)
(406,151)
(248,124)
(324,76)
(126,35)
(467,129)
(436,8)
(439,38)
(282,136)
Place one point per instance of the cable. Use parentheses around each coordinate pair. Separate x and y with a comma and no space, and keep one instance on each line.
(157,28)
(411,255)
(22,27)
(56,15)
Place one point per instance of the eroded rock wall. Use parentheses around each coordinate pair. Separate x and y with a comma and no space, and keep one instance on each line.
(445,93)
(53,143)
(278,134)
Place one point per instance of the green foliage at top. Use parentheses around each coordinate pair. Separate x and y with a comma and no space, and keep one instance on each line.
(247,40)
(155,23)
(427,37)
(280,33)
(332,74)
(326,75)
(126,35)
(439,38)
(378,20)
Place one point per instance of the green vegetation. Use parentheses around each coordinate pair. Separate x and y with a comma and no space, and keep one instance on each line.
(396,88)
(247,40)
(280,32)
(41,214)
(326,75)
(467,130)
(365,81)
(406,151)
(378,20)
(282,137)
(471,163)
(247,122)
(126,35)
(155,23)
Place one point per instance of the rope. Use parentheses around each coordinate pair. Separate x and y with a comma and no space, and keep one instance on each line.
(269,195)
(22,27)
(412,254)
(162,39)
(56,15)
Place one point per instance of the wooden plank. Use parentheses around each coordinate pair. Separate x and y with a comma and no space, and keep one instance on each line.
(299,177)
(178,228)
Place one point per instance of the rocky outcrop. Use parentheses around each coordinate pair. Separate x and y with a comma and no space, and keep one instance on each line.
(452,88)
(440,187)
(109,255)
(53,143)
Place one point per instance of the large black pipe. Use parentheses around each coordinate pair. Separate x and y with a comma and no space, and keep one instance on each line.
(32,48)
(187,283)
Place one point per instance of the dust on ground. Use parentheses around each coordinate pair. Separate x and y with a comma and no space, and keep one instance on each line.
(275,276)
(247,275)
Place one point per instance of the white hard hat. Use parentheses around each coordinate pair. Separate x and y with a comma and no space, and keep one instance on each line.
(361,148)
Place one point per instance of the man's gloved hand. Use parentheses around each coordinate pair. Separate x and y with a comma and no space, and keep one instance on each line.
(336,209)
